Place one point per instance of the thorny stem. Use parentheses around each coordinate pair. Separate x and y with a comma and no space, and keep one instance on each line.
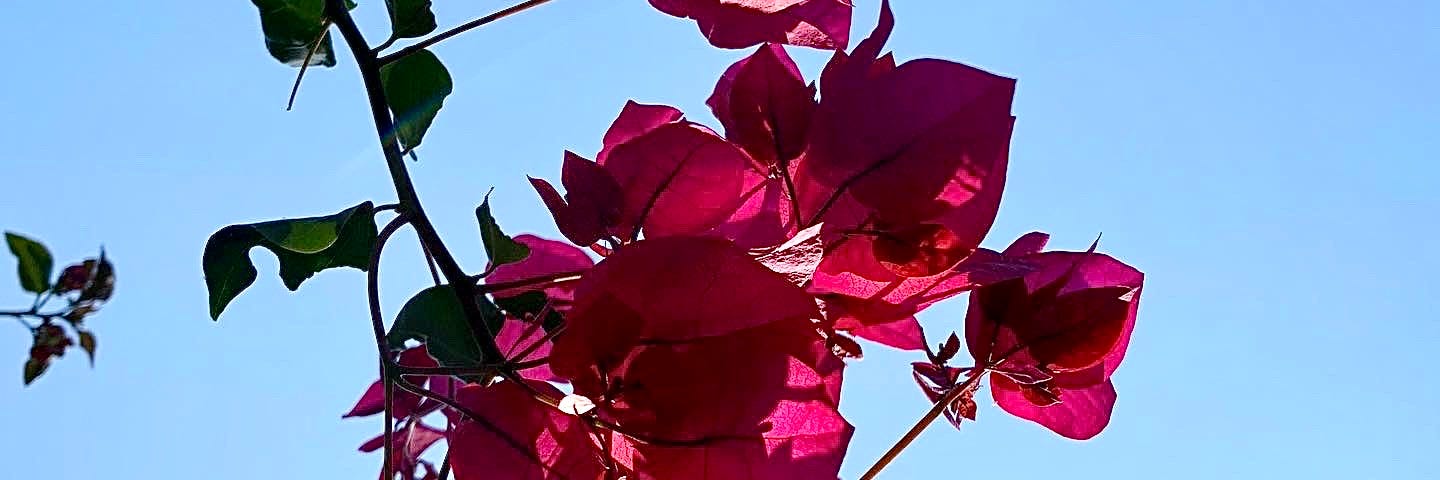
(369,66)
(467,26)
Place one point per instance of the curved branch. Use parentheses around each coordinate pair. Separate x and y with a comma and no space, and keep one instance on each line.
(377,323)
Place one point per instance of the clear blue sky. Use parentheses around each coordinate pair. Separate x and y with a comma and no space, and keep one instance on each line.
(1270,167)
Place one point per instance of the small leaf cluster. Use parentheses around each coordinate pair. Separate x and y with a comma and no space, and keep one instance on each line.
(82,289)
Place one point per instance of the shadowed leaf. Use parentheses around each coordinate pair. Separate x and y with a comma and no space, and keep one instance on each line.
(436,318)
(305,246)
(291,27)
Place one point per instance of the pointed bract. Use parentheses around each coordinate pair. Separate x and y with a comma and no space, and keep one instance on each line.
(765,105)
(926,141)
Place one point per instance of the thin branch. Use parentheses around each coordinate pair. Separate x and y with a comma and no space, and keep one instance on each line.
(430,262)
(443,371)
(389,42)
(550,279)
(305,66)
(920,426)
(377,323)
(467,26)
(22,321)
(550,335)
(387,467)
(518,366)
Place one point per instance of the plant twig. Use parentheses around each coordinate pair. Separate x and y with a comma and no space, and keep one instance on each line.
(305,66)
(553,278)
(921,425)
(467,26)
(377,323)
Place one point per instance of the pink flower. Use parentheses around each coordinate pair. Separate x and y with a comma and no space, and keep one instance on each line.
(1056,335)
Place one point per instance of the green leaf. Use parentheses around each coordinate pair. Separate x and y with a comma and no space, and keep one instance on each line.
(34,368)
(499,248)
(35,263)
(436,318)
(416,86)
(305,246)
(410,18)
(87,342)
(291,28)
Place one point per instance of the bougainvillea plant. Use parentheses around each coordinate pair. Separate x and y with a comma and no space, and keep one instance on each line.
(715,283)
(82,288)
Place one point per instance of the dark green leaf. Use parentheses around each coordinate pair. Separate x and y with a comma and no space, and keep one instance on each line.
(435,317)
(410,18)
(87,342)
(34,368)
(291,29)
(499,248)
(416,86)
(305,246)
(35,263)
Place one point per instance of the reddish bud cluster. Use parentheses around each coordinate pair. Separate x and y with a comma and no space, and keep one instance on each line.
(709,339)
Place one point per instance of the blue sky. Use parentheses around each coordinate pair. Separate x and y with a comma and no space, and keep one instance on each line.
(1270,166)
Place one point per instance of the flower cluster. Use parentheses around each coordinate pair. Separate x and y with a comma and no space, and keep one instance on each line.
(738,268)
